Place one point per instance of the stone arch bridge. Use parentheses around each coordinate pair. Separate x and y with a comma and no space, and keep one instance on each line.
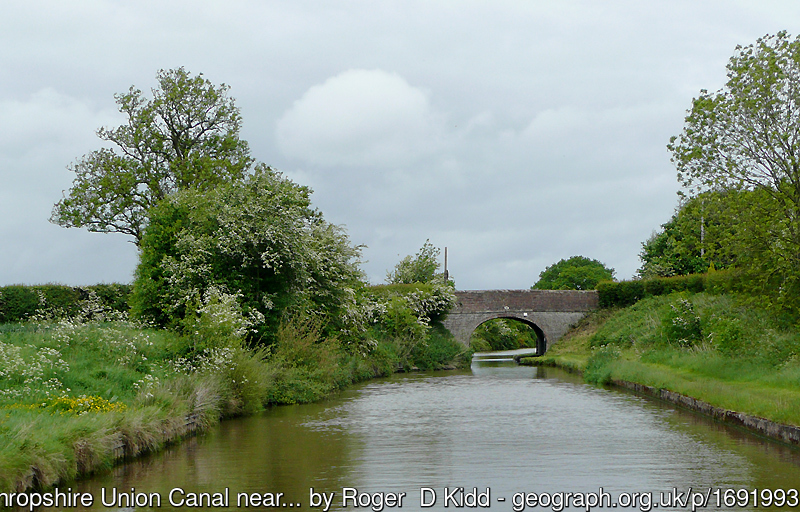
(549,312)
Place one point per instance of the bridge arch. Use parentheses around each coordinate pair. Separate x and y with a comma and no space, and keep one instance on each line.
(541,337)
(551,311)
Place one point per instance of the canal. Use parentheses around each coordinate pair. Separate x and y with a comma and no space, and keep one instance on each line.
(501,435)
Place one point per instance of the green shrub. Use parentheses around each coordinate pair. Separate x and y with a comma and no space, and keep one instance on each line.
(695,283)
(619,294)
(17,303)
(306,366)
(440,349)
(655,287)
(21,302)
(726,335)
(249,378)
(625,293)
(112,295)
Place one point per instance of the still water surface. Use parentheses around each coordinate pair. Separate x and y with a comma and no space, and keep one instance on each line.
(500,427)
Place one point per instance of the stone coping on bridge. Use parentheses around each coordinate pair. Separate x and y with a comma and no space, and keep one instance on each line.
(526,300)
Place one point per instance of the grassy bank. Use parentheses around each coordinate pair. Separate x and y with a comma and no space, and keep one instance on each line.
(719,348)
(78,394)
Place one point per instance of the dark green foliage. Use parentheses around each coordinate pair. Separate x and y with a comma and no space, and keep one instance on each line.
(152,298)
(378,363)
(625,293)
(20,302)
(504,334)
(17,303)
(575,273)
(114,295)
(440,348)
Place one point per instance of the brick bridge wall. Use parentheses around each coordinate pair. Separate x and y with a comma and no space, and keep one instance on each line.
(550,312)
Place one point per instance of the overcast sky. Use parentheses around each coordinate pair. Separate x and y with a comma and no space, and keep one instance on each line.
(514,133)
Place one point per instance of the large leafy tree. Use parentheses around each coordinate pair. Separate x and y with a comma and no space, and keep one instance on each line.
(746,136)
(258,239)
(702,233)
(186,135)
(575,273)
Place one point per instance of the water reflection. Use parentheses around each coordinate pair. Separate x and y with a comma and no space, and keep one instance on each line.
(499,426)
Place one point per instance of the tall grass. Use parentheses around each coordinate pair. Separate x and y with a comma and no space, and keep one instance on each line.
(722,349)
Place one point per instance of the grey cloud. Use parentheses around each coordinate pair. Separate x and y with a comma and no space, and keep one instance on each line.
(361,117)
(515,133)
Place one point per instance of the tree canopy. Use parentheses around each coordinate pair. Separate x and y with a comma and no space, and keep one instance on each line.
(186,135)
(258,239)
(421,268)
(702,233)
(575,273)
(746,136)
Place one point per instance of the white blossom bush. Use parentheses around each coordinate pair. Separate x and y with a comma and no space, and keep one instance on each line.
(681,324)
(428,301)
(433,302)
(218,321)
(257,239)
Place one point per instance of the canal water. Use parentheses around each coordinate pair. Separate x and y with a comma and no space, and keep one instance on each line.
(510,437)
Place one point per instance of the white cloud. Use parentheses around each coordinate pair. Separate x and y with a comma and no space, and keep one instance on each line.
(361,117)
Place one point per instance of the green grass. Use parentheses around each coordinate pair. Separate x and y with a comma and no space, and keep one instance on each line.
(71,393)
(74,395)
(721,349)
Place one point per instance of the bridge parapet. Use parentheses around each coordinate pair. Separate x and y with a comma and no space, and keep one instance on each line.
(550,312)
(470,301)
